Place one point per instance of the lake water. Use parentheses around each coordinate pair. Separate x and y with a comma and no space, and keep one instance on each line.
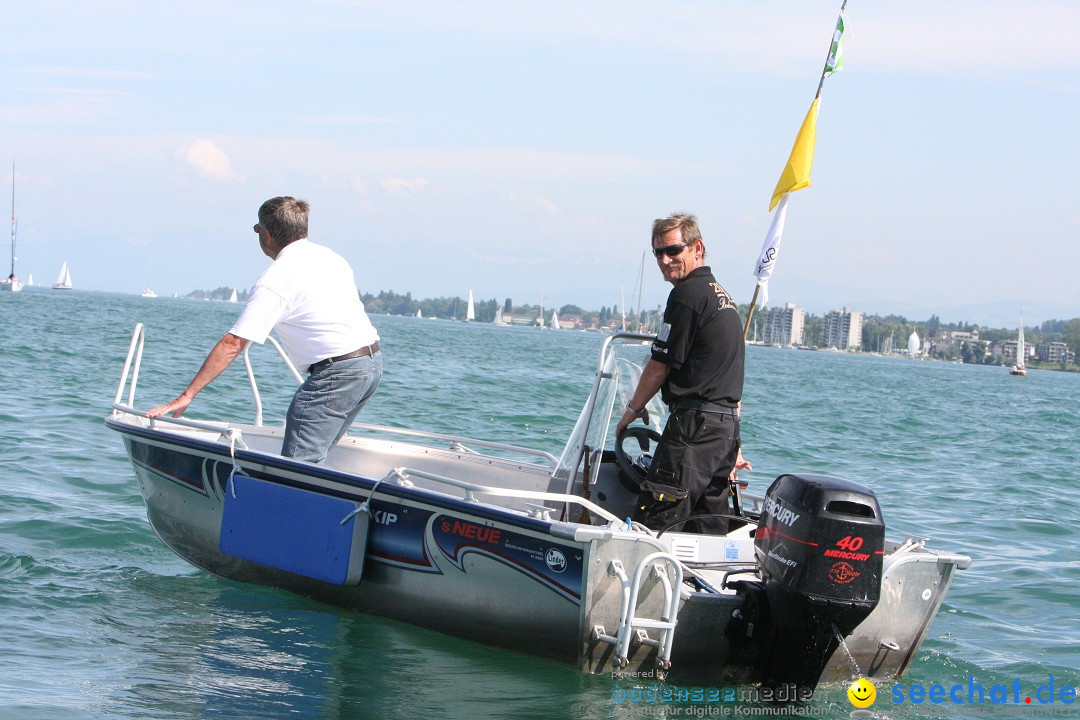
(100,620)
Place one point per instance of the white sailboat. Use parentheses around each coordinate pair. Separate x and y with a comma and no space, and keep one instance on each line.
(554,320)
(1021,351)
(30,280)
(470,312)
(232,298)
(498,317)
(12,283)
(914,344)
(148,293)
(418,313)
(63,279)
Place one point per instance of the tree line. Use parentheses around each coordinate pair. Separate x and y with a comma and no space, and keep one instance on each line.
(391,303)
(878,331)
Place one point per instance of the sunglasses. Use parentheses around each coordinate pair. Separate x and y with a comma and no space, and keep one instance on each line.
(670,250)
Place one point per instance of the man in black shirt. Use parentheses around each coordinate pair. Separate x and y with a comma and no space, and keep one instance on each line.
(697,365)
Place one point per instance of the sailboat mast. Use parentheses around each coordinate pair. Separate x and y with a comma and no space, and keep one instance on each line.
(622,310)
(13,225)
(641,288)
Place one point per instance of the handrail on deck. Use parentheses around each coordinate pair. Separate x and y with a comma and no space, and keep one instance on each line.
(472,489)
(251,375)
(135,348)
(197,424)
(133,361)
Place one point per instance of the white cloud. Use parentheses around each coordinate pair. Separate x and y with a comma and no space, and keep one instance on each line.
(360,188)
(208,160)
(86,72)
(347,120)
(537,203)
(403,186)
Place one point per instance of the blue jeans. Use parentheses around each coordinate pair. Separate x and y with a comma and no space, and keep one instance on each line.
(324,407)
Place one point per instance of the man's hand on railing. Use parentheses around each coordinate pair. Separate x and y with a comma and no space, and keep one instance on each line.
(226,350)
(175,407)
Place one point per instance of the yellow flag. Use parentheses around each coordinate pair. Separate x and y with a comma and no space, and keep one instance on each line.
(796,175)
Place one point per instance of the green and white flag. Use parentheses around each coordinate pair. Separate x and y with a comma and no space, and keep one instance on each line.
(835,63)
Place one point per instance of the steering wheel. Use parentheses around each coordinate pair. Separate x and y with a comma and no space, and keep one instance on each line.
(632,471)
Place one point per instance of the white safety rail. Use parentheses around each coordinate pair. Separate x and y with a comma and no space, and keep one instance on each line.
(133,362)
(130,377)
(402,475)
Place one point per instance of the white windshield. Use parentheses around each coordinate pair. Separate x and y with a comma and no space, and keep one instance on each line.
(622,357)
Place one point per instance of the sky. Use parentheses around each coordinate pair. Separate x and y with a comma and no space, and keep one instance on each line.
(522,150)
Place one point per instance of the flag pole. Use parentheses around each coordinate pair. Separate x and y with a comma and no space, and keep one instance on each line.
(750,314)
(833,46)
(825,70)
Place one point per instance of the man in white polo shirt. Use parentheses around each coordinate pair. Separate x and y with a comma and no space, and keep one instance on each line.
(308,295)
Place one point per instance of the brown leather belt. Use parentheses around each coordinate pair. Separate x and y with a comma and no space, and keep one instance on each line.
(362,352)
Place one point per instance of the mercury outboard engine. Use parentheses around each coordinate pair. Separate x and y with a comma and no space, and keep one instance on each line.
(820,543)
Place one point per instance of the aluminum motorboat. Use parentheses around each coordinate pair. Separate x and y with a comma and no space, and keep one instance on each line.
(522,549)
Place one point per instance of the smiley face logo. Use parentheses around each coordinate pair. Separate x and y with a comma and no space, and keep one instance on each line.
(862,693)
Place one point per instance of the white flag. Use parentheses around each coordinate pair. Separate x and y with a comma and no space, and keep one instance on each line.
(771,248)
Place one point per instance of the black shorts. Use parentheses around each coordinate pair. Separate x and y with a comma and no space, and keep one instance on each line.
(689,472)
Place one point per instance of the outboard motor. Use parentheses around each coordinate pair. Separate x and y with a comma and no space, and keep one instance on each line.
(820,544)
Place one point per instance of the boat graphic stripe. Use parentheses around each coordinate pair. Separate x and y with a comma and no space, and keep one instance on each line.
(182,469)
(764,532)
(557,566)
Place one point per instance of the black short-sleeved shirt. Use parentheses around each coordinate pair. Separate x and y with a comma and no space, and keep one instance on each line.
(702,341)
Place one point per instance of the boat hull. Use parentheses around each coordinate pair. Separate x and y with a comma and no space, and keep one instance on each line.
(433,561)
(493,575)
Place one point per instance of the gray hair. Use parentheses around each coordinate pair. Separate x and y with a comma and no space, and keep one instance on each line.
(285,218)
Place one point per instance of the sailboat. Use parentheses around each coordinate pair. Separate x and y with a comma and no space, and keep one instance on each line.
(63,280)
(30,280)
(554,320)
(1021,350)
(148,293)
(232,297)
(12,283)
(418,313)
(470,311)
(498,317)
(887,346)
(913,344)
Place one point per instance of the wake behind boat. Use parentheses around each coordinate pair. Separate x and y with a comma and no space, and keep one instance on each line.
(520,549)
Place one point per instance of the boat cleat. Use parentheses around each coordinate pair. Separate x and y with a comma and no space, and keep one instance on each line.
(539,512)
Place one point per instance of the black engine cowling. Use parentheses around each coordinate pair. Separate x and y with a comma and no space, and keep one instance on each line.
(820,544)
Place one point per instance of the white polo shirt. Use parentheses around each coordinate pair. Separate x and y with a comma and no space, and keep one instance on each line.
(308,295)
